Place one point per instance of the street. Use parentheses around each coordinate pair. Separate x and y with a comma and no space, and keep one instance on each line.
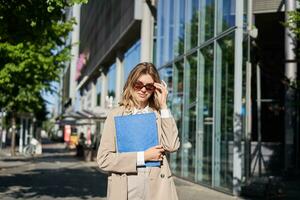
(221,77)
(59,174)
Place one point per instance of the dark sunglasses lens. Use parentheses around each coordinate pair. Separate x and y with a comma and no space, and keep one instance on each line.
(149,87)
(138,86)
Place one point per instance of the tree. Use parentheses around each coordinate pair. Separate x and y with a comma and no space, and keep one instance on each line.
(33,35)
(293,23)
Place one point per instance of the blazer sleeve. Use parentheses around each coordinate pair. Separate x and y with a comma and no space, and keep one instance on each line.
(107,158)
(169,135)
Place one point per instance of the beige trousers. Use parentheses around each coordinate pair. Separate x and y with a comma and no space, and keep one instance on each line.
(138,185)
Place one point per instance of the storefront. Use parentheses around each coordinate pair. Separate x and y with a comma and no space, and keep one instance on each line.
(199,54)
(204,50)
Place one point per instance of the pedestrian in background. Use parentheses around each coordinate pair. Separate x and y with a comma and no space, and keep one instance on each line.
(80,146)
(129,178)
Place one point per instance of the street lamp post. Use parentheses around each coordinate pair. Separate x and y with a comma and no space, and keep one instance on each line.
(290,93)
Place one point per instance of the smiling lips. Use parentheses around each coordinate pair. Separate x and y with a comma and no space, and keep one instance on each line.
(142,95)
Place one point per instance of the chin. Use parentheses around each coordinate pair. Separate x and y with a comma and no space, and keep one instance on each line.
(142,100)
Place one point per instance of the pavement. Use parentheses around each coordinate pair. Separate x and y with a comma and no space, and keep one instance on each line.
(56,174)
(59,174)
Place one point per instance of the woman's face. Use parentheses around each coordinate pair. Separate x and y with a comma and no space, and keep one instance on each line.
(143,89)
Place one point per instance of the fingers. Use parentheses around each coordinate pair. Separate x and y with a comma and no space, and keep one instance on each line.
(160,152)
(161,92)
(161,157)
(164,83)
(157,93)
(161,87)
(155,153)
(158,146)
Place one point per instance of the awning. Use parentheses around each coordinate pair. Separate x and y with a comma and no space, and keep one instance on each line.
(80,118)
(71,122)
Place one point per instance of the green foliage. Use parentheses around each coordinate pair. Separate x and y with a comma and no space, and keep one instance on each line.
(48,126)
(293,23)
(33,35)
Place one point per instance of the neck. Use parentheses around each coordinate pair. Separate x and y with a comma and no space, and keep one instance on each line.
(142,105)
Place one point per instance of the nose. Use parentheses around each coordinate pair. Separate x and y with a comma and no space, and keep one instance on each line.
(144,89)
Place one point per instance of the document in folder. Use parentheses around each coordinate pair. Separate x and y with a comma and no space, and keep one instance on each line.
(137,133)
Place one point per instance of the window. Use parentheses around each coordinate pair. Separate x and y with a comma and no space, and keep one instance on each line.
(98,91)
(131,59)
(111,79)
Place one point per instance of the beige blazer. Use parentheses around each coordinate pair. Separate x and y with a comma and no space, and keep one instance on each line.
(118,165)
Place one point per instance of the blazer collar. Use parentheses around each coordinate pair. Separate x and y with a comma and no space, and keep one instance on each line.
(130,111)
(144,110)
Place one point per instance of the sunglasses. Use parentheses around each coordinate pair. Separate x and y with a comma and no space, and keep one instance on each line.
(139,85)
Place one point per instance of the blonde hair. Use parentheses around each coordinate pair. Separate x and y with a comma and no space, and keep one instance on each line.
(143,68)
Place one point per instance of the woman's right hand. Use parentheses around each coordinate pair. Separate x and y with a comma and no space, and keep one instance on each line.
(155,153)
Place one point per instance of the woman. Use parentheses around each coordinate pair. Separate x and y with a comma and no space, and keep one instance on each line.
(128,178)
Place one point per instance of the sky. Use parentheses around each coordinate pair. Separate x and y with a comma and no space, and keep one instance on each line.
(51,98)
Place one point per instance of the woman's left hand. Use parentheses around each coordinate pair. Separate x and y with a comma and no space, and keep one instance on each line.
(161,93)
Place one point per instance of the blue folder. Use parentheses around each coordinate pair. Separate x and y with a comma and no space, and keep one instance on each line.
(137,133)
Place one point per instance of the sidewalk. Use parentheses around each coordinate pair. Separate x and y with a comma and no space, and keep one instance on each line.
(190,191)
(6,161)
(186,190)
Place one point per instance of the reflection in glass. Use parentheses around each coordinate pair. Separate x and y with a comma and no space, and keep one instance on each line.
(226,14)
(226,63)
(111,78)
(192,24)
(179,16)
(171,30)
(190,145)
(177,109)
(189,133)
(131,59)
(166,74)
(207,19)
(98,91)
(192,76)
(206,111)
(203,106)
(160,33)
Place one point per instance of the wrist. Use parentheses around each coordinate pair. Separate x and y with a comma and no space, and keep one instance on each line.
(165,113)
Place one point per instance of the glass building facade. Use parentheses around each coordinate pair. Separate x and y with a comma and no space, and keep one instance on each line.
(200,48)
(131,58)
(111,84)
(199,54)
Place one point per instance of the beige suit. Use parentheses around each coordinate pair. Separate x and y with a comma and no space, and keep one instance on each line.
(118,165)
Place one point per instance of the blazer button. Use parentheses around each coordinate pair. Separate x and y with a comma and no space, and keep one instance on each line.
(162,176)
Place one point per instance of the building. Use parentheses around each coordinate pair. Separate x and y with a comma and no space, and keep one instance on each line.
(224,63)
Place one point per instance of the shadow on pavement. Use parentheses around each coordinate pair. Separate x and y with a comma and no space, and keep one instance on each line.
(49,155)
(15,160)
(80,183)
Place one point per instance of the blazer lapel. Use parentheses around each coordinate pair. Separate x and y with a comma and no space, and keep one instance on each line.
(126,111)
